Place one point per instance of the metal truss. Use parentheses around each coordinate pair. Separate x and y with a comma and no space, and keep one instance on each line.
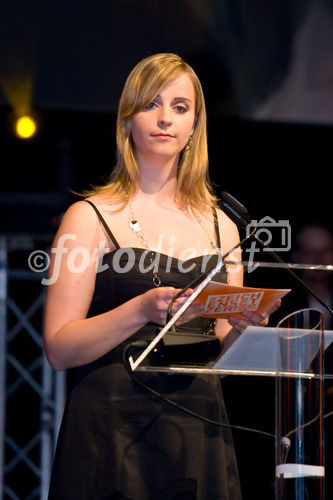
(31,392)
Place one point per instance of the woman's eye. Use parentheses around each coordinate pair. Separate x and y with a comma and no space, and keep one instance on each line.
(150,105)
(180,109)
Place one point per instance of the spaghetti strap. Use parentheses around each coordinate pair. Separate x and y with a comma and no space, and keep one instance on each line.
(217,230)
(106,227)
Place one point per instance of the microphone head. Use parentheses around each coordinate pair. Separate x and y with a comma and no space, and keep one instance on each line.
(234,209)
(234,204)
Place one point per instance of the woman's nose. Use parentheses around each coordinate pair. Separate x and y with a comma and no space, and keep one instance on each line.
(164,116)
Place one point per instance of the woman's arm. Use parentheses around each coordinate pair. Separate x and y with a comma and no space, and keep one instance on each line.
(70,338)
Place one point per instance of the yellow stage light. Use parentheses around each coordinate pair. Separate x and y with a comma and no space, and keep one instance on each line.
(25,127)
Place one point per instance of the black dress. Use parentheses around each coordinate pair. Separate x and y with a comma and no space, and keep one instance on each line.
(118,441)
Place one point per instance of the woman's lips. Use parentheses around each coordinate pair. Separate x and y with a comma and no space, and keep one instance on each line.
(163,136)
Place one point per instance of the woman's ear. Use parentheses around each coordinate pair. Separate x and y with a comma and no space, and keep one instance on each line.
(195,121)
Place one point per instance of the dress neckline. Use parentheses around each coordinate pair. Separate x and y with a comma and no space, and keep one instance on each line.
(147,250)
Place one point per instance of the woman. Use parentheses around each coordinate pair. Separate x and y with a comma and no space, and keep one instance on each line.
(117,440)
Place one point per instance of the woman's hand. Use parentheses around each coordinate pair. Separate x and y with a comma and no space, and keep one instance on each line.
(252,319)
(156,301)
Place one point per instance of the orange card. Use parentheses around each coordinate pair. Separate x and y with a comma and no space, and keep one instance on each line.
(222,301)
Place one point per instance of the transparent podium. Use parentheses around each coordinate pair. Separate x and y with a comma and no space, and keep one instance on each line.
(292,353)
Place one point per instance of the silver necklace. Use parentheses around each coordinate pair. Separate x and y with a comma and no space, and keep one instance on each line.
(135,226)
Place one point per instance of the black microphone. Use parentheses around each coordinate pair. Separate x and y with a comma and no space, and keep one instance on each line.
(239,214)
(234,209)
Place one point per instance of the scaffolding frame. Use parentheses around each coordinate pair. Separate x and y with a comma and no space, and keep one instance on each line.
(25,373)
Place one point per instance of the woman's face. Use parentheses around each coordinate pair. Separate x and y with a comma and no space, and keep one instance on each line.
(162,129)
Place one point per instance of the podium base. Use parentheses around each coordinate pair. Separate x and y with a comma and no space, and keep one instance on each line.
(299,470)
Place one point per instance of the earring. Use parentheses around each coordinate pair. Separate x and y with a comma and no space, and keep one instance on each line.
(189,144)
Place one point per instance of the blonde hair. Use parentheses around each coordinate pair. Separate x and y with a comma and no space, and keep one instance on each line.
(144,82)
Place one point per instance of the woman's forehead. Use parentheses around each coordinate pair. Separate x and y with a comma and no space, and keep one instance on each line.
(180,87)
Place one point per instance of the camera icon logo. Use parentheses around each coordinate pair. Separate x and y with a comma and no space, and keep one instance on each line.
(275,234)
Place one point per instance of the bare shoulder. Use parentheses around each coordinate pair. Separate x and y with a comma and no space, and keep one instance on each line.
(79,215)
(83,215)
(82,220)
(225,223)
(79,225)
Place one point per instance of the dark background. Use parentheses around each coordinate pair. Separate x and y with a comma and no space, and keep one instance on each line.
(269,131)
(267,73)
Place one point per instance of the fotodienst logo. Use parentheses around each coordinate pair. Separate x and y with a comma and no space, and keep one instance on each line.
(275,234)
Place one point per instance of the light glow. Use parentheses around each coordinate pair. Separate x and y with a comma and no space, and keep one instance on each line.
(25,127)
